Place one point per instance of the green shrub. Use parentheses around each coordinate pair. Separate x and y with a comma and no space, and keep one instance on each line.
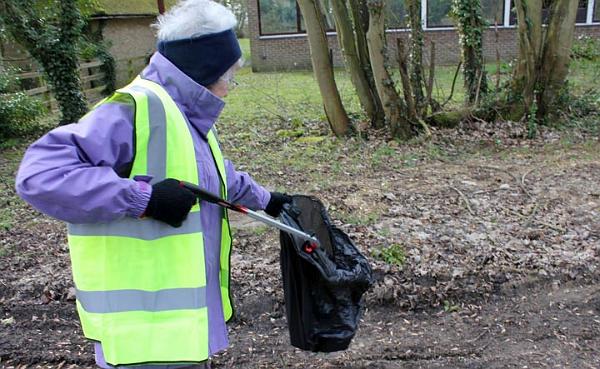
(18,112)
(393,254)
(586,47)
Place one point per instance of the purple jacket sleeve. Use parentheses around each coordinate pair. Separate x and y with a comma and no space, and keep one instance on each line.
(71,172)
(243,190)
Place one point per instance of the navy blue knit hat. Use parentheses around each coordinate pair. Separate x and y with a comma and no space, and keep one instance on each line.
(205,58)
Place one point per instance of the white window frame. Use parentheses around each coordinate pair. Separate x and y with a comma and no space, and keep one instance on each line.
(590,12)
(505,24)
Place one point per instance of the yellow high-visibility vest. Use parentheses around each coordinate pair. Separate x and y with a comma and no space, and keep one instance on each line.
(140,283)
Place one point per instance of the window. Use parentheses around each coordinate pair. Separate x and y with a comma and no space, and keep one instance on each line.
(327,11)
(328,19)
(396,15)
(581,11)
(438,13)
(596,17)
(493,11)
(278,16)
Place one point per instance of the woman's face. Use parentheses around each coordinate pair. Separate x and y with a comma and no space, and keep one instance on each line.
(220,88)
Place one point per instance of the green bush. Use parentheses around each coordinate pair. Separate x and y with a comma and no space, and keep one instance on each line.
(392,254)
(18,112)
(586,47)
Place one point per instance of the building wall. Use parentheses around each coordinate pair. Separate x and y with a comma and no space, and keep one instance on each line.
(292,51)
(131,41)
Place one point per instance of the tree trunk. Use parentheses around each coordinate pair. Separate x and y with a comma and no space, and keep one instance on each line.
(392,104)
(360,16)
(417,43)
(55,49)
(529,20)
(470,29)
(347,41)
(323,68)
(557,54)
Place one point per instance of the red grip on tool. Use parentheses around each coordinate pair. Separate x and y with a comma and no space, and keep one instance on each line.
(310,247)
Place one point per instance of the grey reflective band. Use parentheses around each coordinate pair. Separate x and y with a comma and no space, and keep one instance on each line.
(138,300)
(166,366)
(157,142)
(144,229)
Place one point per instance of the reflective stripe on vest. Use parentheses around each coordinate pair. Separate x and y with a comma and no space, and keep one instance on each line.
(141,284)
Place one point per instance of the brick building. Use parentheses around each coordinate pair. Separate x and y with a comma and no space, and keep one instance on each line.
(278,39)
(124,25)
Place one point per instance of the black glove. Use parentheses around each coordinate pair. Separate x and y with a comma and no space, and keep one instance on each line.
(276,203)
(170,202)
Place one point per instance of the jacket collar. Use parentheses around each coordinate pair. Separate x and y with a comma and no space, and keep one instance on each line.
(198,104)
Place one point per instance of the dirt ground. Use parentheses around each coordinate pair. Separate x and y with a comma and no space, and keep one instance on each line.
(501,269)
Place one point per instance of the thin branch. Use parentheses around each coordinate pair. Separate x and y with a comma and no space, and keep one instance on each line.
(481,73)
(551,226)
(515,178)
(431,76)
(465,199)
(453,84)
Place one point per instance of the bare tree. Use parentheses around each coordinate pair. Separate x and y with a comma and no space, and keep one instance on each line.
(544,54)
(470,27)
(323,67)
(358,74)
(393,105)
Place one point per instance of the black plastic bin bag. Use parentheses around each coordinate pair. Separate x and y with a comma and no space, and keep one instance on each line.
(323,287)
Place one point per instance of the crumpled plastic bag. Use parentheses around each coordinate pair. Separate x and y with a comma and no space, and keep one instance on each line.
(323,287)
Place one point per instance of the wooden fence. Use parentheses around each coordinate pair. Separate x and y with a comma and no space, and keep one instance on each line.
(92,82)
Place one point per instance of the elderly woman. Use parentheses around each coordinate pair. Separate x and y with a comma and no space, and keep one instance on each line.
(150,264)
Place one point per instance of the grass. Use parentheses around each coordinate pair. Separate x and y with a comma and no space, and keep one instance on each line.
(274,127)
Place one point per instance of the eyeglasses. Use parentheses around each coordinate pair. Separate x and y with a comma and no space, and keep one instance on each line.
(231,82)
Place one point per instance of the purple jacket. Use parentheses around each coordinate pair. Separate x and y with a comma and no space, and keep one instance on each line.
(72,173)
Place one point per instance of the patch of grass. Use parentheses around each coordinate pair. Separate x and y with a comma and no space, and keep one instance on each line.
(393,254)
(450,307)
(382,155)
(360,218)
(245,46)
(259,231)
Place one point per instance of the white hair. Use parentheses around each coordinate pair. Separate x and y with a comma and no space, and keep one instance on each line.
(193,18)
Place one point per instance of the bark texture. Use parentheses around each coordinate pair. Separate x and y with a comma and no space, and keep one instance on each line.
(544,54)
(393,105)
(348,42)
(323,68)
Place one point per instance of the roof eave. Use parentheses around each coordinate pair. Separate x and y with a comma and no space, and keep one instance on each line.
(120,16)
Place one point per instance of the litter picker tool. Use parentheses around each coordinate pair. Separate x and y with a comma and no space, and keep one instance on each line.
(212,198)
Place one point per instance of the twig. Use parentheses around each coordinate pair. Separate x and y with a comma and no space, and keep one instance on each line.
(479,336)
(525,175)
(479,85)
(453,84)
(465,199)
(489,191)
(531,215)
(558,229)
(431,75)
(521,186)
(497,54)
(411,104)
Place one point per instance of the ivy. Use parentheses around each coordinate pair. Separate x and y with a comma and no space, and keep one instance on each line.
(93,46)
(50,30)
(470,26)
(18,112)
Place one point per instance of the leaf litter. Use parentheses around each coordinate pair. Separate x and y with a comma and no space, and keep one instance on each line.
(501,241)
